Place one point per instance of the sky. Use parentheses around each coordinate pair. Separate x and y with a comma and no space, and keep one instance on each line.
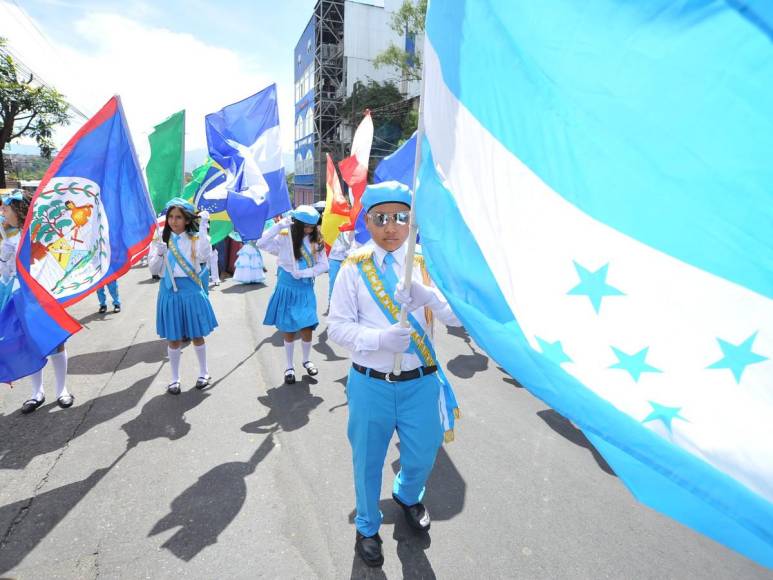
(160,57)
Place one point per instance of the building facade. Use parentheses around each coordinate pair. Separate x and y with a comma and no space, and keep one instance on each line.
(336,49)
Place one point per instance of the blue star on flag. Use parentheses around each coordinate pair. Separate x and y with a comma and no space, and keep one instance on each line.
(553,351)
(635,364)
(737,357)
(594,285)
(663,413)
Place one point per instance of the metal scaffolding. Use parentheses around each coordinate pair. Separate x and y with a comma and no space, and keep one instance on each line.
(329,87)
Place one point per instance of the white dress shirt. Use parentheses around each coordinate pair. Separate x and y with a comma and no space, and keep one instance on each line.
(356,320)
(186,245)
(282,247)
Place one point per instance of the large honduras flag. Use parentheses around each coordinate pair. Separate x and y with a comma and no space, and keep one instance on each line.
(596,201)
(90,217)
(244,140)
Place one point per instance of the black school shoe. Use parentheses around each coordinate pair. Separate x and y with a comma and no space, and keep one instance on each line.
(102,308)
(311,370)
(31,404)
(416,515)
(65,401)
(117,308)
(290,376)
(369,549)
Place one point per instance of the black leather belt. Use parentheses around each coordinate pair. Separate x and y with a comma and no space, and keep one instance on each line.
(391,378)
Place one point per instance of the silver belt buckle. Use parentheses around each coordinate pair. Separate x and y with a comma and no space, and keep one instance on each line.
(388,377)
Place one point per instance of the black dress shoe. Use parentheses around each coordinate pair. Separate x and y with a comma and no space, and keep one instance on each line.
(369,549)
(102,308)
(416,514)
(65,401)
(31,404)
(117,308)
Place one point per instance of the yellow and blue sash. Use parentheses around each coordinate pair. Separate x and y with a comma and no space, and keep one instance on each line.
(382,292)
(177,257)
(306,257)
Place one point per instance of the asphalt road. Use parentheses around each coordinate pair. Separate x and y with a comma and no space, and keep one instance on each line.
(252,478)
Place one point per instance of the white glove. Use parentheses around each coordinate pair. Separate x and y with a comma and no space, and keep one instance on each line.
(418,296)
(160,247)
(286,222)
(204,219)
(7,251)
(395,339)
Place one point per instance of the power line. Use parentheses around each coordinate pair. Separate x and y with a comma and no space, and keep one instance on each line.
(27,71)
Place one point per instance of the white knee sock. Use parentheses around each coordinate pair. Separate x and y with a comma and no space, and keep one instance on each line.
(289,347)
(59,362)
(201,354)
(174,362)
(306,347)
(37,385)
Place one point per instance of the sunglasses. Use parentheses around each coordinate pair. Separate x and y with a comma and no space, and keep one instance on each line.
(378,219)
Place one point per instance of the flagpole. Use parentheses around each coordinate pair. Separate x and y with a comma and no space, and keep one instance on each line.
(182,169)
(414,227)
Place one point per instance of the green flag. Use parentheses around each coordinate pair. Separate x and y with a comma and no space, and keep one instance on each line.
(165,168)
(205,178)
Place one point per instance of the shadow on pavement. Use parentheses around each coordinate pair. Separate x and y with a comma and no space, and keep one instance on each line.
(444,499)
(342,381)
(564,427)
(32,519)
(275,339)
(163,417)
(106,361)
(510,380)
(24,437)
(322,347)
(289,407)
(204,510)
(237,288)
(465,366)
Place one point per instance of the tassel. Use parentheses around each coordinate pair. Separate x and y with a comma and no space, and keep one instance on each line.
(449,436)
(457,413)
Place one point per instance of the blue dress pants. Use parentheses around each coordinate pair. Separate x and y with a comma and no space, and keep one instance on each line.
(377,409)
(113,288)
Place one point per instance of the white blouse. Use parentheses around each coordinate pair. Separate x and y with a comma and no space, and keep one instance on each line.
(8,258)
(281,245)
(196,253)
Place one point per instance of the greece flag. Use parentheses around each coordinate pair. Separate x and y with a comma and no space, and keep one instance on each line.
(595,199)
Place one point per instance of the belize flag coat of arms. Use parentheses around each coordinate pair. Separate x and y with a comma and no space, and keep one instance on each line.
(90,220)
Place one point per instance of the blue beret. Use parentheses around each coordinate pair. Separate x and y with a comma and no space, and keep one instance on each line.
(15,195)
(180,202)
(306,214)
(385,192)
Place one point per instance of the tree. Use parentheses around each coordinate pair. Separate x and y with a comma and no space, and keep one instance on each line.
(392,115)
(27,110)
(408,20)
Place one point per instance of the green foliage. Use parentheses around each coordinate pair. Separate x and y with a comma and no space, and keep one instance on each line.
(27,109)
(392,114)
(408,20)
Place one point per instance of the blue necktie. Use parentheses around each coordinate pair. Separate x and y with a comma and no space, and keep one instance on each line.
(389,276)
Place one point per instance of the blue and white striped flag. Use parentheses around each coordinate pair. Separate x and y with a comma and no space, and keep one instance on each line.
(596,200)
(244,139)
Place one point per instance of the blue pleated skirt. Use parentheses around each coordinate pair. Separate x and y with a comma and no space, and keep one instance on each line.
(293,305)
(186,313)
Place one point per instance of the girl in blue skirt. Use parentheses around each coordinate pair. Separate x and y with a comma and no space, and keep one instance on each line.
(15,208)
(183,310)
(301,258)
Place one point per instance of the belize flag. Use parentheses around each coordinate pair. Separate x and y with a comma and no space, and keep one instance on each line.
(244,139)
(596,200)
(88,221)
